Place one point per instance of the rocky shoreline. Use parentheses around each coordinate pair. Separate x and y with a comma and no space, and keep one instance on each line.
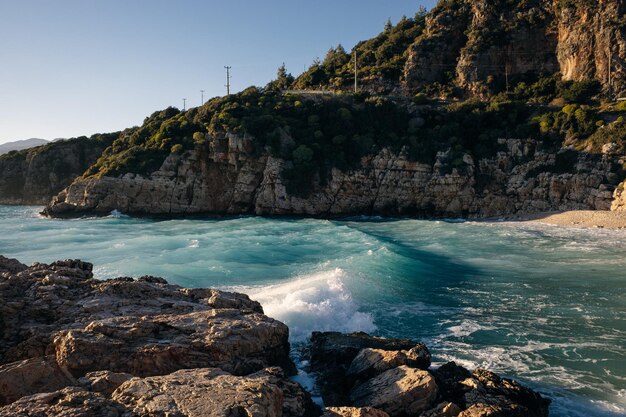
(224,179)
(75,346)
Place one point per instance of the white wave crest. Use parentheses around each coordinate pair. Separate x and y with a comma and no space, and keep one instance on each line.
(314,302)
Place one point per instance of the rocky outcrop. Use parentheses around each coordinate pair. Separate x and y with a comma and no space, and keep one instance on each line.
(592,42)
(397,391)
(619,198)
(332,355)
(213,392)
(402,389)
(113,347)
(73,346)
(483,44)
(35,175)
(520,178)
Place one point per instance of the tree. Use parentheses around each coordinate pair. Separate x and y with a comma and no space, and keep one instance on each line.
(283,78)
(336,58)
(421,13)
(388,26)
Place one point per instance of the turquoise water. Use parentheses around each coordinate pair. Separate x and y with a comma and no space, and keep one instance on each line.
(538,303)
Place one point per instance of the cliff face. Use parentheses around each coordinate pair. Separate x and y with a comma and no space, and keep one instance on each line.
(592,42)
(34,175)
(520,179)
(481,44)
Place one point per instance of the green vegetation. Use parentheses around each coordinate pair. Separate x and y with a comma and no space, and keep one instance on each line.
(99,139)
(381,58)
(321,133)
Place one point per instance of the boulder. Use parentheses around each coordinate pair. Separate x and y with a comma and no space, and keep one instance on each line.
(104,382)
(331,355)
(398,391)
(30,376)
(353,412)
(505,395)
(213,392)
(448,377)
(157,345)
(371,362)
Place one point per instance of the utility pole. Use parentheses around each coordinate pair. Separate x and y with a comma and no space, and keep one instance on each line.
(506,75)
(184,104)
(356,73)
(201,97)
(228,77)
(610,65)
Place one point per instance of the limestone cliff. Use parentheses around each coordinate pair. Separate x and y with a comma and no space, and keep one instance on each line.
(34,175)
(521,178)
(482,45)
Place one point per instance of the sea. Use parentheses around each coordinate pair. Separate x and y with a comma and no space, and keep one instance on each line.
(545,305)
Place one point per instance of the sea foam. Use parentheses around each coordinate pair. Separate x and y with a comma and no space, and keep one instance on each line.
(318,301)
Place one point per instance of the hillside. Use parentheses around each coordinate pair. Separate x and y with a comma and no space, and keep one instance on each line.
(18,145)
(34,175)
(510,136)
(466,48)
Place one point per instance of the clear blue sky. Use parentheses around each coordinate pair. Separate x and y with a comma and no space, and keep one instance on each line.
(78,67)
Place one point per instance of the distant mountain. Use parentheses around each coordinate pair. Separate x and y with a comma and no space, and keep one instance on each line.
(18,145)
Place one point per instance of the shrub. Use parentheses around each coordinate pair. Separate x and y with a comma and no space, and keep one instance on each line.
(579,91)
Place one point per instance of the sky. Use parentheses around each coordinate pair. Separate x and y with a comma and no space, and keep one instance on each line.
(78,67)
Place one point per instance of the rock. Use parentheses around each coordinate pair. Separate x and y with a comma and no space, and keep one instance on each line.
(487,388)
(449,377)
(484,410)
(227,339)
(398,391)
(12,266)
(444,409)
(332,353)
(59,325)
(619,198)
(212,392)
(371,362)
(30,376)
(418,357)
(353,412)
(104,382)
(69,402)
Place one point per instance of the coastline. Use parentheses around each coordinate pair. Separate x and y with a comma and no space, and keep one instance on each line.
(583,219)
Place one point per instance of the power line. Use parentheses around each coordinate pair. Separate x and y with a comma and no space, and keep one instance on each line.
(356,73)
(201,97)
(184,104)
(228,77)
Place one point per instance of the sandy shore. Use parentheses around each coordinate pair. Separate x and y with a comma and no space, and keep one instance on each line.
(582,218)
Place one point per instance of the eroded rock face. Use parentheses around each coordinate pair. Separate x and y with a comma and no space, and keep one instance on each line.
(519,179)
(212,392)
(481,44)
(190,393)
(35,175)
(398,391)
(60,327)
